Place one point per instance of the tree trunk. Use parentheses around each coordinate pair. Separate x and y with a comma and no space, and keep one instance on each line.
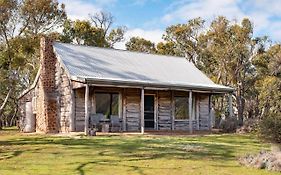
(240,106)
(4,105)
(13,117)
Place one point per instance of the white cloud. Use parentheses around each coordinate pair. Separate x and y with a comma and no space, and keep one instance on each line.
(152,35)
(260,12)
(79,9)
(204,8)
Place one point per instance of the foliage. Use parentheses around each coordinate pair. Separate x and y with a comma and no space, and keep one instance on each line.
(81,32)
(21,24)
(141,45)
(167,48)
(185,38)
(227,51)
(41,16)
(270,128)
(93,32)
(268,66)
(126,154)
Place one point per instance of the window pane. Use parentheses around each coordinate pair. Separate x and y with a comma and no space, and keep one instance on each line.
(103,103)
(181,107)
(114,105)
(107,103)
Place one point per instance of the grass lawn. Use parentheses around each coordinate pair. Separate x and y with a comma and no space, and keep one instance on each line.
(157,155)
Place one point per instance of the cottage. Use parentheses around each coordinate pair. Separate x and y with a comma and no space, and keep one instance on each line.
(145,91)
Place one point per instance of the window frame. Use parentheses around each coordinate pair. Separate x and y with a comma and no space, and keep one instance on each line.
(111,102)
(187,98)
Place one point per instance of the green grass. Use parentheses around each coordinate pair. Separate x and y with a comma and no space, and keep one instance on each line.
(157,155)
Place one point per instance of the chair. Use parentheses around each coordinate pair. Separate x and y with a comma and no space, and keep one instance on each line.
(115,125)
(95,121)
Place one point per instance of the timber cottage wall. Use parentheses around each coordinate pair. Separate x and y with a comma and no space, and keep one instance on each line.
(79,109)
(130,111)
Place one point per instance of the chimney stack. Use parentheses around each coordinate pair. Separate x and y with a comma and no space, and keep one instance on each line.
(46,117)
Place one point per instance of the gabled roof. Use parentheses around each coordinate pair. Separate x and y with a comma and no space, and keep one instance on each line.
(102,65)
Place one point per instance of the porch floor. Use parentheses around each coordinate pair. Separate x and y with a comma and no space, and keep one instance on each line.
(146,133)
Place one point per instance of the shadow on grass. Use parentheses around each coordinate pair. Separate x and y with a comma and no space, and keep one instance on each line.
(14,154)
(132,168)
(133,149)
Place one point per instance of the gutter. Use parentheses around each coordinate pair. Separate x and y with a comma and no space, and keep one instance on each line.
(148,85)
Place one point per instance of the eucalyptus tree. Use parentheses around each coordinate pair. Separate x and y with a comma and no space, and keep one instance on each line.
(230,48)
(268,84)
(140,45)
(21,22)
(268,67)
(184,38)
(167,48)
(95,31)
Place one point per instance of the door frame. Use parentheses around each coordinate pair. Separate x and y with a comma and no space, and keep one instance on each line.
(155,109)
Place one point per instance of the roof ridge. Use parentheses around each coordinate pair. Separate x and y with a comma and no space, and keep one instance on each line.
(121,50)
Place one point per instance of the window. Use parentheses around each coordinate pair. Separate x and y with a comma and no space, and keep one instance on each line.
(107,103)
(181,108)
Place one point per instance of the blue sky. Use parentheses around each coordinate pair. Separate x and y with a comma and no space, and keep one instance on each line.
(149,18)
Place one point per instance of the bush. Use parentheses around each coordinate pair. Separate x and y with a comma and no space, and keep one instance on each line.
(270,129)
(249,126)
(263,160)
(228,125)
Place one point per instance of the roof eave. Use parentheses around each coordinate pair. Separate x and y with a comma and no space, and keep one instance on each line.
(139,84)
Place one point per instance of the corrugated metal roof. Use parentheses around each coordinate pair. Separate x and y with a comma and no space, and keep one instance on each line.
(111,65)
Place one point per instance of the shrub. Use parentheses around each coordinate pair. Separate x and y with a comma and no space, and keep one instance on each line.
(263,160)
(270,129)
(228,125)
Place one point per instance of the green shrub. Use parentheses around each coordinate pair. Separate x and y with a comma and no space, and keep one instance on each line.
(270,129)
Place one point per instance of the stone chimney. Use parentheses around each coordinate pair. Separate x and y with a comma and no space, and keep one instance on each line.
(47,109)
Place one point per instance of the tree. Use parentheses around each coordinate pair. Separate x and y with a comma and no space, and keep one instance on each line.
(184,37)
(269,87)
(93,32)
(140,45)
(268,66)
(227,51)
(21,23)
(82,32)
(41,16)
(167,48)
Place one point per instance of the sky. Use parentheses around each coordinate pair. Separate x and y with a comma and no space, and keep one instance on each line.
(149,18)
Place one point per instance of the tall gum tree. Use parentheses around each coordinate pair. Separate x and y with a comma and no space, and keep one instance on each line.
(21,22)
